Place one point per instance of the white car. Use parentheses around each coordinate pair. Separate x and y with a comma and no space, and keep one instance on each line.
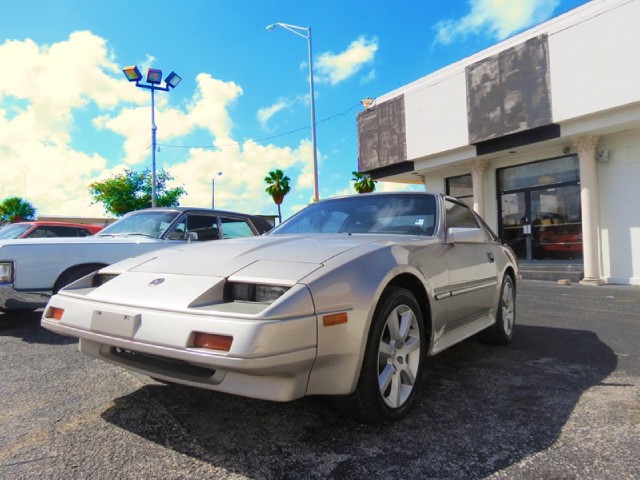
(346,298)
(31,270)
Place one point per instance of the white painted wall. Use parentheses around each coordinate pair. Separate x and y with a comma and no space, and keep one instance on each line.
(619,205)
(595,63)
(436,116)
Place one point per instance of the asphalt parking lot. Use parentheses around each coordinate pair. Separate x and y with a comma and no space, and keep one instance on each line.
(562,401)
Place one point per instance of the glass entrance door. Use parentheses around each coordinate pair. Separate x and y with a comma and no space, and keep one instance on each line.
(543,223)
(556,222)
(515,219)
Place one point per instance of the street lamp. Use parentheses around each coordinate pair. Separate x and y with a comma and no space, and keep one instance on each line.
(213,190)
(154,78)
(307,34)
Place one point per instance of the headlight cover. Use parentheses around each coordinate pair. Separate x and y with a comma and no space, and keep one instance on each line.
(100,279)
(6,272)
(251,292)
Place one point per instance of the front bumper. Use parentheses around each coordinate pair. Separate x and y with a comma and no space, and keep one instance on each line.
(268,359)
(12,299)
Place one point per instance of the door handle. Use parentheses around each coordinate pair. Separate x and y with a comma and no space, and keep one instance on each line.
(490,257)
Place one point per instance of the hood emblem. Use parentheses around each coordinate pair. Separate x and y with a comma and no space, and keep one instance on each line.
(156,282)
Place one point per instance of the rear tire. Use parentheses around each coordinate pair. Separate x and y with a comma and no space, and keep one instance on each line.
(501,332)
(392,364)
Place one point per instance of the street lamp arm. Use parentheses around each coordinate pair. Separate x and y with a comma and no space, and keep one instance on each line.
(298,31)
(293,29)
(152,87)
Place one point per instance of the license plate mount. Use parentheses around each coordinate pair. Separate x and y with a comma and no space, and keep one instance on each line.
(118,324)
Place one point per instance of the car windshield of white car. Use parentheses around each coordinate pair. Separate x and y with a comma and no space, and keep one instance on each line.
(148,224)
(14,231)
(396,214)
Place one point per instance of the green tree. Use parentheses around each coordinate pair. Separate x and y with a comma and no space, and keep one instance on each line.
(363,183)
(131,190)
(16,209)
(278,187)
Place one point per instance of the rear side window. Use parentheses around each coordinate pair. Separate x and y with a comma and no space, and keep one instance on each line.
(235,228)
(52,231)
(459,215)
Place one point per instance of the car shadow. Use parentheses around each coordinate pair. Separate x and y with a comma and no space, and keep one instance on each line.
(27,326)
(480,410)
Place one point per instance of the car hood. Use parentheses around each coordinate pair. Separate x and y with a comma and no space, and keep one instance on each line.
(252,257)
(190,275)
(91,239)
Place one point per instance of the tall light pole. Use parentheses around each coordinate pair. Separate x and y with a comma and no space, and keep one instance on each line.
(307,34)
(213,190)
(154,78)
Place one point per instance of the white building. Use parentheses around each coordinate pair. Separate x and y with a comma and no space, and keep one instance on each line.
(540,133)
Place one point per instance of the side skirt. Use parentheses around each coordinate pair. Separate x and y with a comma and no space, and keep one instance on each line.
(464,331)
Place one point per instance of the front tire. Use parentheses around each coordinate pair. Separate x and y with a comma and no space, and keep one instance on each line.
(392,363)
(501,332)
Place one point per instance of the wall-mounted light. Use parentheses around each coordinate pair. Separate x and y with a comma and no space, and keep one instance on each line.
(368,103)
(603,156)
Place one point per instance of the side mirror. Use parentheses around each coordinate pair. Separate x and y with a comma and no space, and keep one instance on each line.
(465,235)
(192,236)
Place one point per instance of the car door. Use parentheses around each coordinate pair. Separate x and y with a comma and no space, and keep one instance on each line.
(471,266)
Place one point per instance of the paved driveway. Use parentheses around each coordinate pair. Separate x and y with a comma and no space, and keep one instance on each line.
(563,401)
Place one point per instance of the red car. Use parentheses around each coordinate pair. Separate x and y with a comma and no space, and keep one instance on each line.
(47,229)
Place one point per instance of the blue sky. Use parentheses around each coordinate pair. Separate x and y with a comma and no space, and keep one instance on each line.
(69,117)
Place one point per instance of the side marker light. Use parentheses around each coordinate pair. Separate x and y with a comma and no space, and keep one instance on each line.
(335,319)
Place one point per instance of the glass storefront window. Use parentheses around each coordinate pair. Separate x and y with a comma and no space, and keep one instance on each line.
(461,187)
(547,172)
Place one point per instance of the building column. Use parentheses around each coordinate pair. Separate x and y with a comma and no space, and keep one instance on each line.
(587,146)
(478,167)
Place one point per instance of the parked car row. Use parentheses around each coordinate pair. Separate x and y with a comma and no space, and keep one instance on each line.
(41,229)
(347,298)
(32,269)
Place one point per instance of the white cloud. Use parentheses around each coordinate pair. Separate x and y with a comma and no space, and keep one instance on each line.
(334,68)
(265,114)
(497,18)
(49,84)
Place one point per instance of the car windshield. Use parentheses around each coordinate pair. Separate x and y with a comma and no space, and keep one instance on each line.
(149,224)
(14,231)
(404,214)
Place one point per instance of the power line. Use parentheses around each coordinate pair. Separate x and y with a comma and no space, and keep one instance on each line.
(265,139)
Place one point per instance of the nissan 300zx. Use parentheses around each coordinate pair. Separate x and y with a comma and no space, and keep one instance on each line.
(347,298)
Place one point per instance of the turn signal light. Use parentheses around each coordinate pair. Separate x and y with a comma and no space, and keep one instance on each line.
(56,313)
(213,341)
(335,319)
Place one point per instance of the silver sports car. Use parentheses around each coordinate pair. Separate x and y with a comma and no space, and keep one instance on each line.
(347,298)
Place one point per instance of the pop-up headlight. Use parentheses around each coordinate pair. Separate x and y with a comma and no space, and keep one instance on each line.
(250,292)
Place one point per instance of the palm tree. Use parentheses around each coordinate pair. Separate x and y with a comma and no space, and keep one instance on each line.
(15,209)
(278,187)
(363,183)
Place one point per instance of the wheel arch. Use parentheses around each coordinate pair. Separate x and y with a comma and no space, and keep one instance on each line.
(80,269)
(416,287)
(511,272)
